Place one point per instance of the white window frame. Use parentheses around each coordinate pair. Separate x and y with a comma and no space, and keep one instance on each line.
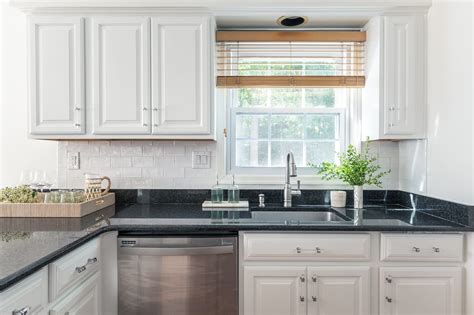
(344,123)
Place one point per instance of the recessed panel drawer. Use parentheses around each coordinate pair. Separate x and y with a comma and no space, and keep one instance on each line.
(422,247)
(73,268)
(306,247)
(29,295)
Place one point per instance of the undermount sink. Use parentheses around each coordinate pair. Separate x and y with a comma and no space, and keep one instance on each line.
(302,216)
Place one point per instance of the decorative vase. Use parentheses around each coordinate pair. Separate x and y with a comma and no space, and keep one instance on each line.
(358,197)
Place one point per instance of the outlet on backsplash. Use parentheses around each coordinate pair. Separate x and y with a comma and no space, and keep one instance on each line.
(73,161)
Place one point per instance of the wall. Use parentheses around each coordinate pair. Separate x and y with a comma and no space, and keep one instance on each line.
(17,152)
(450,143)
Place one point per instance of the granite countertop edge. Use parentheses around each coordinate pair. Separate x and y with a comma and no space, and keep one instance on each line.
(19,275)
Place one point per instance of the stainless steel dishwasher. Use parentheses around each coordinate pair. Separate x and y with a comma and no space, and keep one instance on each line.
(177,275)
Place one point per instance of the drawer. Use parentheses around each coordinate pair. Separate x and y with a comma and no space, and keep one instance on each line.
(73,268)
(306,247)
(422,247)
(31,293)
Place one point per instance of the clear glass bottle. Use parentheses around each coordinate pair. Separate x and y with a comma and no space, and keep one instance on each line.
(217,193)
(233,194)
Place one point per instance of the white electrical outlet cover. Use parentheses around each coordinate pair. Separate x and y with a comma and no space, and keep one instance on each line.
(73,161)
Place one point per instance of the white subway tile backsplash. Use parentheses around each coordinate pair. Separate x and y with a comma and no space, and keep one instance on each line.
(132,150)
(142,161)
(173,172)
(131,172)
(174,148)
(121,162)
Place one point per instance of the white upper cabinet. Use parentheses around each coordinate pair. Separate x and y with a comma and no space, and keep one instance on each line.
(181,75)
(394,98)
(120,75)
(56,75)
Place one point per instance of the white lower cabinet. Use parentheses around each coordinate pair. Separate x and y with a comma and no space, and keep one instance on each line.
(421,290)
(338,290)
(84,300)
(289,290)
(276,290)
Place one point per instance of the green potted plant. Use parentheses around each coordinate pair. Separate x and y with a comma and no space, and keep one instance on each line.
(356,169)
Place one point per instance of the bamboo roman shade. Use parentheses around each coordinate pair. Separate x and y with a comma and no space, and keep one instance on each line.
(290,59)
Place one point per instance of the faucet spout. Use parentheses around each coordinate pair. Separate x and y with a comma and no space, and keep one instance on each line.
(288,192)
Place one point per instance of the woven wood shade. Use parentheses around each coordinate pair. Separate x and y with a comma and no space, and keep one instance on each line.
(290,59)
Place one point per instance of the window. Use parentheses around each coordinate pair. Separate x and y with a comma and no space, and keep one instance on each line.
(267,123)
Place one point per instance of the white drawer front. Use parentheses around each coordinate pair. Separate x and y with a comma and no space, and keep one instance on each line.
(31,293)
(306,247)
(422,247)
(72,268)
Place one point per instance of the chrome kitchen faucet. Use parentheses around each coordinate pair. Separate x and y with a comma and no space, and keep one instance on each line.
(288,192)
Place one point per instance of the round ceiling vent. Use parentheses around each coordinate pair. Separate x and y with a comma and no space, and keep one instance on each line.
(290,21)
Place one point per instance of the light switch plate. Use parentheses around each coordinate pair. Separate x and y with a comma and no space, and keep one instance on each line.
(73,161)
(201,159)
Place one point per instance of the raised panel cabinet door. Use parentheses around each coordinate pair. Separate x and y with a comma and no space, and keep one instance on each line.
(121,75)
(403,78)
(56,75)
(421,291)
(84,300)
(338,290)
(275,290)
(181,75)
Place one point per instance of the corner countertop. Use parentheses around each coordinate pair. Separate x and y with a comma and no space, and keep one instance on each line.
(28,244)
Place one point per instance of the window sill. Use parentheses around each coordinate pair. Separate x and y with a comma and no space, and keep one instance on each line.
(272,181)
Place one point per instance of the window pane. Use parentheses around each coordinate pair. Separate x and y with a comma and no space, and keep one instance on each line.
(286,98)
(321,127)
(251,126)
(252,98)
(287,126)
(252,69)
(251,153)
(318,152)
(280,149)
(320,97)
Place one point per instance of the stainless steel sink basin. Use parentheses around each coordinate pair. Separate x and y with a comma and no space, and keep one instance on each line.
(302,216)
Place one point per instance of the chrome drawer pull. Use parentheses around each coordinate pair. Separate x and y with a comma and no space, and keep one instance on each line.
(298,250)
(416,249)
(388,279)
(302,298)
(22,311)
(318,250)
(389,300)
(436,249)
(83,268)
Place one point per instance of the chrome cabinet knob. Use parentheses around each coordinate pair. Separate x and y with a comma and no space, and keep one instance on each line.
(314,299)
(302,279)
(318,250)
(389,300)
(298,250)
(77,125)
(416,249)
(388,279)
(314,278)
(436,249)
(302,298)
(22,311)
(77,108)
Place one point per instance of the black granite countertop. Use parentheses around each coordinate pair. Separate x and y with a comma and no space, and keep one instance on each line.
(26,245)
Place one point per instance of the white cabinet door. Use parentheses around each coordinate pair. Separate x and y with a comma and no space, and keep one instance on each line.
(403,75)
(56,86)
(181,75)
(338,290)
(275,290)
(84,300)
(421,291)
(120,75)
(30,294)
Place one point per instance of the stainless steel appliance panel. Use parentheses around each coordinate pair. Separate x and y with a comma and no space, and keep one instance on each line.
(178,275)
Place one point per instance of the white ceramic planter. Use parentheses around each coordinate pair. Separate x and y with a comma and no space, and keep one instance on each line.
(358,197)
(338,199)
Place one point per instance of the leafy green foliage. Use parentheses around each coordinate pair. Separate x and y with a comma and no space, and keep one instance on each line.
(19,194)
(354,168)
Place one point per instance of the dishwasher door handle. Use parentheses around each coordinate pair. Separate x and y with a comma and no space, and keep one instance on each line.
(176,251)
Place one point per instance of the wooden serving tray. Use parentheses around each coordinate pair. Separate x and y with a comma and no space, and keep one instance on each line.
(55,210)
